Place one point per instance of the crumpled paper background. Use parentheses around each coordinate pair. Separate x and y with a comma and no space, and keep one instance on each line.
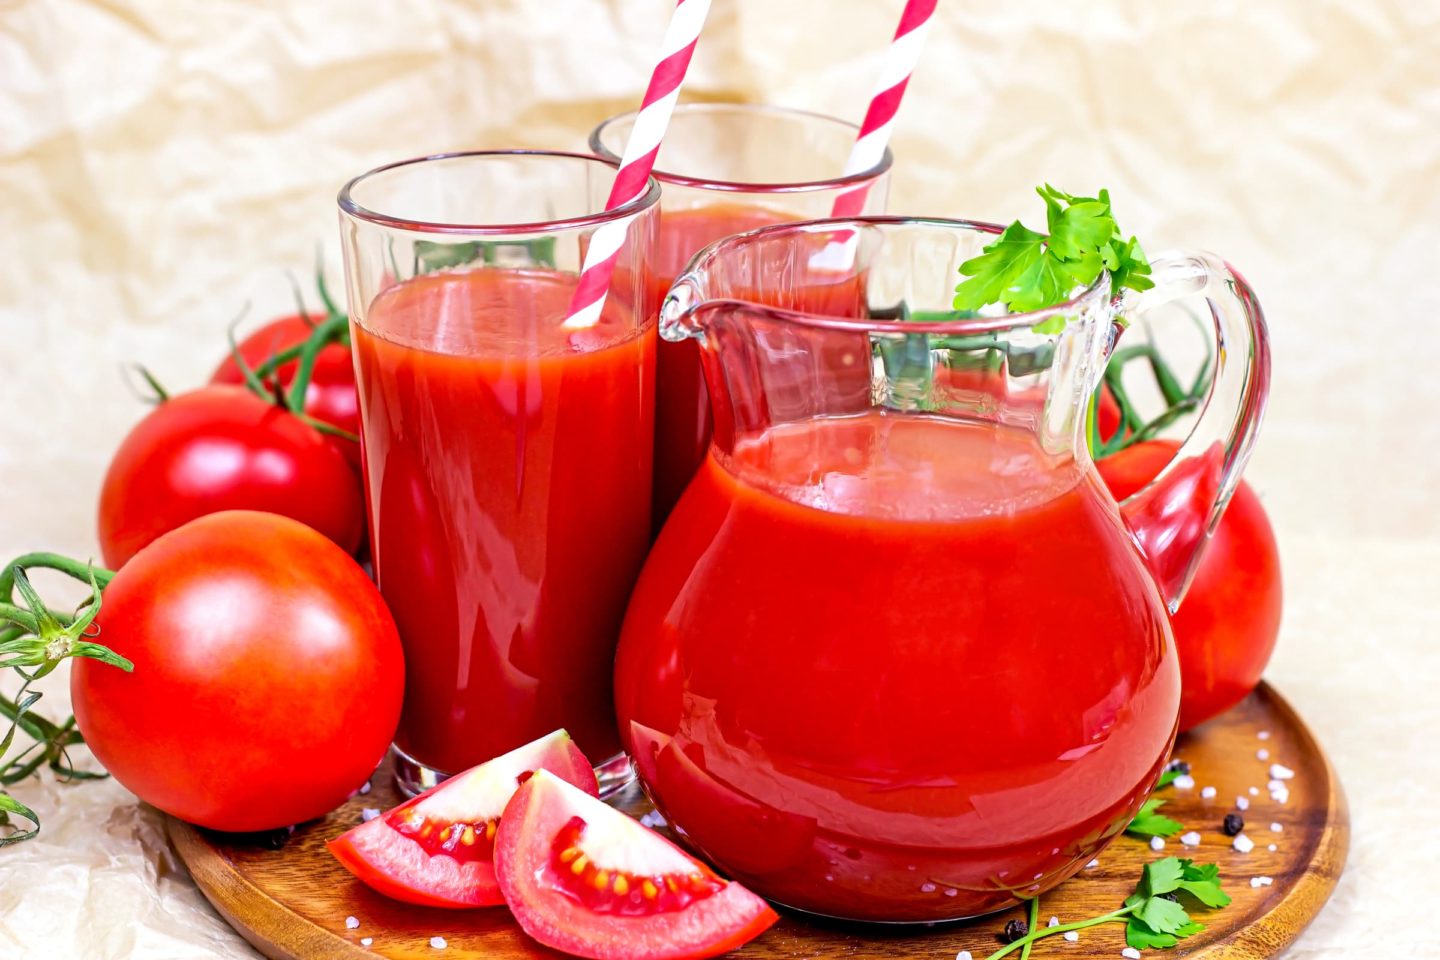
(162,165)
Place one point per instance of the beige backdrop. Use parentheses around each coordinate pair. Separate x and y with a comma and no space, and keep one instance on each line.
(163,163)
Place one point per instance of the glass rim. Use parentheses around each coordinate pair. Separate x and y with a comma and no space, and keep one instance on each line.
(969,325)
(352,208)
(877,170)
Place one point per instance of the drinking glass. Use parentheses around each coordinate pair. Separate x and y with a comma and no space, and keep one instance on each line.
(507,456)
(727,168)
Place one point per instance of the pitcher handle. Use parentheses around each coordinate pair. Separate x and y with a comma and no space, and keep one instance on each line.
(1172,517)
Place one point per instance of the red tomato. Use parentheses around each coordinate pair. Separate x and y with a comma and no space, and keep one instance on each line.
(586,879)
(223,448)
(437,850)
(1107,413)
(1228,622)
(330,397)
(268,674)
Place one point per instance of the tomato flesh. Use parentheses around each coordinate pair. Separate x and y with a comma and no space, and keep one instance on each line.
(437,849)
(620,891)
(584,878)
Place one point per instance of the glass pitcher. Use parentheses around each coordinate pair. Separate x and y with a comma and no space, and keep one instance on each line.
(897,655)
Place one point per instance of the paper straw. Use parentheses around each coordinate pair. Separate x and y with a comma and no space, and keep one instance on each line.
(638,160)
(879,121)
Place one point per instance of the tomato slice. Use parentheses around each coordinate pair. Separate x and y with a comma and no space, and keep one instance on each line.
(436,850)
(584,878)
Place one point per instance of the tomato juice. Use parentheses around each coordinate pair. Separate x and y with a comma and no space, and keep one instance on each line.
(508,471)
(682,407)
(895,666)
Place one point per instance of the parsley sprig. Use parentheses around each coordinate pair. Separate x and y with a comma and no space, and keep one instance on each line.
(1149,823)
(1025,270)
(1151,917)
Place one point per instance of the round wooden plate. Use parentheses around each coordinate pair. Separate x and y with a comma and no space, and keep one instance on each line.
(293,903)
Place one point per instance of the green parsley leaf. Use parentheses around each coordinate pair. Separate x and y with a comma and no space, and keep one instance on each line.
(1141,937)
(1148,823)
(1162,916)
(1161,876)
(1202,882)
(1024,270)
(1167,778)
(999,267)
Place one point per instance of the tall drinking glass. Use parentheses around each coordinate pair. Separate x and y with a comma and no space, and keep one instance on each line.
(727,168)
(507,457)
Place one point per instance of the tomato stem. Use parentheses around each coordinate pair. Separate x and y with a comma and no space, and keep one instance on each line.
(322,336)
(330,307)
(50,561)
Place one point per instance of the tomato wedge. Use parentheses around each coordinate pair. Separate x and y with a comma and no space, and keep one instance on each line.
(436,849)
(584,878)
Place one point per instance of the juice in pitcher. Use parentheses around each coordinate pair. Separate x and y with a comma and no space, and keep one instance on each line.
(897,655)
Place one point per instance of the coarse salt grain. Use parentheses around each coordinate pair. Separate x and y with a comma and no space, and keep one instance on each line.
(927,887)
(1254,791)
(1260,881)
(365,788)
(951,892)
(1243,844)
(1278,771)
(1071,935)
(1157,843)
(1054,922)
(1208,793)
(366,941)
(1272,848)
(652,819)
(1183,782)
(1263,735)
(351,923)
(1242,803)
(437,943)
(1262,754)
(1130,953)
(1191,839)
(963,955)
(1277,828)
(1092,864)
(368,813)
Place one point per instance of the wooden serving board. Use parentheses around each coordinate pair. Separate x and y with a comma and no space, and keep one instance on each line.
(293,903)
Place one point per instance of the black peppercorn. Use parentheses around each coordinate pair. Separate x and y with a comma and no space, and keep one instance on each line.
(1014,930)
(1170,896)
(1234,823)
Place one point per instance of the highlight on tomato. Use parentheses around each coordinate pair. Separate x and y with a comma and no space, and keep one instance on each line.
(584,878)
(437,849)
(268,674)
(224,448)
(1227,625)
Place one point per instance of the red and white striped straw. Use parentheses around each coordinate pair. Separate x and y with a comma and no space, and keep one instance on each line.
(638,160)
(879,120)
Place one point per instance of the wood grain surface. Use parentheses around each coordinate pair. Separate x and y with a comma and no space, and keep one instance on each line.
(292,903)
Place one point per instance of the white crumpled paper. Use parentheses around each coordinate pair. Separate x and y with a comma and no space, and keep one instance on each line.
(161,164)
